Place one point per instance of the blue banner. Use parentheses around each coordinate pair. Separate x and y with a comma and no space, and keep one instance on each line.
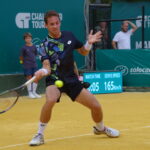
(104,82)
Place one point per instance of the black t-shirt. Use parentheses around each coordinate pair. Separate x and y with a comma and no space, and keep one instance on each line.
(60,54)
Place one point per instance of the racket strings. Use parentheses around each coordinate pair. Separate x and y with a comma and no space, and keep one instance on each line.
(7,100)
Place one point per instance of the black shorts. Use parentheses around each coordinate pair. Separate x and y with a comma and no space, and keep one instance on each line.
(71,89)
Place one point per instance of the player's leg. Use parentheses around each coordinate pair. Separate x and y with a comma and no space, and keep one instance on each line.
(28,75)
(87,99)
(35,84)
(52,95)
(29,87)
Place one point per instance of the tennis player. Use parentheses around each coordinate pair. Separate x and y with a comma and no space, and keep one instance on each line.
(28,60)
(58,63)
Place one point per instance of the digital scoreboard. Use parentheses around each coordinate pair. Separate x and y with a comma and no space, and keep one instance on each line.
(104,82)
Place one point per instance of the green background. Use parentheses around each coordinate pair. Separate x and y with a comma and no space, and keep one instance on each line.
(11,39)
(134,64)
(124,10)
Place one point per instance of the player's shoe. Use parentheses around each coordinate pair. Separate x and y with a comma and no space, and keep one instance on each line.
(31,95)
(36,95)
(108,131)
(38,139)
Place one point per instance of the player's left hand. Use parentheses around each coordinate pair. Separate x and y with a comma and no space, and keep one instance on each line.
(92,38)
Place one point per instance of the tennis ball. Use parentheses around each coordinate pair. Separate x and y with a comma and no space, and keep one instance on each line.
(21,62)
(59,83)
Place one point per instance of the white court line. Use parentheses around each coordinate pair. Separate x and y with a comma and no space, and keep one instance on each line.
(62,138)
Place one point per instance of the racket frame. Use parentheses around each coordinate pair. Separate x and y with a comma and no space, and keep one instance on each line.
(17,90)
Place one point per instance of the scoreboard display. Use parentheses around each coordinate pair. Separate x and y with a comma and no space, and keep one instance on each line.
(104,82)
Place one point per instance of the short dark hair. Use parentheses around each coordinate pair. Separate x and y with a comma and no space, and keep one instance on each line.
(27,34)
(49,14)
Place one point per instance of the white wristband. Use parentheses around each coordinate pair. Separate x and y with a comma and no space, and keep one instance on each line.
(87,46)
(45,71)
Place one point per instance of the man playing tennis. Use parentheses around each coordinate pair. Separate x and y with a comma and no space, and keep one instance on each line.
(57,58)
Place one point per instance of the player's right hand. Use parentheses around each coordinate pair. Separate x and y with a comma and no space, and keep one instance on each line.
(39,74)
(92,38)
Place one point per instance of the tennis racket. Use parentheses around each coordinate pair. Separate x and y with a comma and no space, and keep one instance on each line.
(10,97)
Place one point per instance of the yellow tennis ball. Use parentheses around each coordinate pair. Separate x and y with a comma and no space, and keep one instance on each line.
(21,62)
(59,83)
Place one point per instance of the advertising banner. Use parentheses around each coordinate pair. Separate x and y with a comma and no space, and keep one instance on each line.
(125,10)
(18,17)
(104,82)
(134,65)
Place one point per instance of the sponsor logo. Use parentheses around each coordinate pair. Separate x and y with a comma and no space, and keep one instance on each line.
(138,70)
(132,71)
(138,44)
(69,42)
(22,20)
(31,20)
(146,21)
(123,69)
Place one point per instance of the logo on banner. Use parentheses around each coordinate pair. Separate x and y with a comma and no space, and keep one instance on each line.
(31,20)
(123,69)
(146,21)
(22,20)
(133,71)
(138,44)
(139,70)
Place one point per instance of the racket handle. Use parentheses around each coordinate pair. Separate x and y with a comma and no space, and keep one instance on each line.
(30,81)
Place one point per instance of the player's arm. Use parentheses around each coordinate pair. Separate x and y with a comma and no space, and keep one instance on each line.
(76,69)
(21,59)
(92,38)
(114,45)
(115,41)
(44,71)
(134,27)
